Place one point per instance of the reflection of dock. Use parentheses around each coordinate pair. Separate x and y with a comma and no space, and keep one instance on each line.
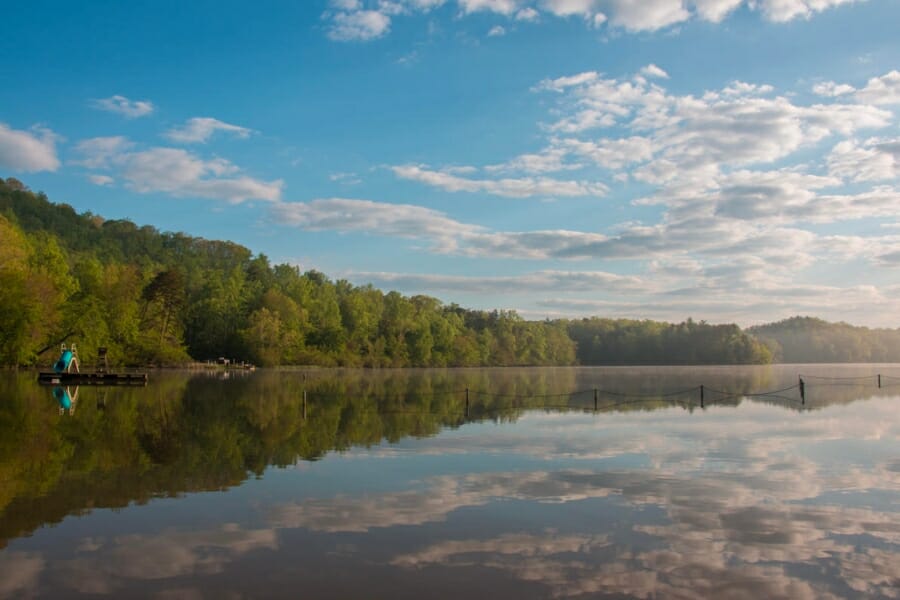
(92,378)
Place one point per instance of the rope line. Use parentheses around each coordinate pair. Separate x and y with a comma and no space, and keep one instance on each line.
(774,392)
(873,376)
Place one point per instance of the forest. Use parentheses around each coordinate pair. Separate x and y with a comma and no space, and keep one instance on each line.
(166,299)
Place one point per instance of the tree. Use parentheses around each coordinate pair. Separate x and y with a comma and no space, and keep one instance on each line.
(164,298)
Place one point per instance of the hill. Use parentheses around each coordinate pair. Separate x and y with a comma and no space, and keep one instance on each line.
(811,340)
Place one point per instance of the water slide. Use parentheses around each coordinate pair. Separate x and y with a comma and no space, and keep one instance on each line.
(67,361)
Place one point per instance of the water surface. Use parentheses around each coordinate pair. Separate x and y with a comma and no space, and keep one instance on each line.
(327,484)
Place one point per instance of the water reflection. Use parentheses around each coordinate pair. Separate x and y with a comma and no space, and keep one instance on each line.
(384,479)
(66,397)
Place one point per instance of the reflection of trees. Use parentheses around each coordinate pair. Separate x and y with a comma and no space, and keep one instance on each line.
(184,433)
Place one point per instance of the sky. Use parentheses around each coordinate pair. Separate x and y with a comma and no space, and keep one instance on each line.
(726,160)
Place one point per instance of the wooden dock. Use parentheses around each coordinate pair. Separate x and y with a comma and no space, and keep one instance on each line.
(92,378)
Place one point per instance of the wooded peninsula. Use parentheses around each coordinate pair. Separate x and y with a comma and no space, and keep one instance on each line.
(160,298)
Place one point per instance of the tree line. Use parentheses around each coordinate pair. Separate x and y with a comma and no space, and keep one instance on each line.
(162,298)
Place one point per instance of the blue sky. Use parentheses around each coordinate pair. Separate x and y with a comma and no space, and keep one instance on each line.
(728,160)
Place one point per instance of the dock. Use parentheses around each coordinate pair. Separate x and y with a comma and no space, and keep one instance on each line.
(100,378)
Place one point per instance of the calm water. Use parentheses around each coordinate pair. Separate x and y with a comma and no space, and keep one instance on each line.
(387,484)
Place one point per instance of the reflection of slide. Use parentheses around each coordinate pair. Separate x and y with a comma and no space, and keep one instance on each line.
(67,361)
(65,398)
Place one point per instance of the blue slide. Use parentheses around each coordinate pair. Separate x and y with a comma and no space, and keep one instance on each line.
(65,359)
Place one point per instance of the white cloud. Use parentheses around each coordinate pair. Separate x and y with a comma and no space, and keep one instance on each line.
(99,152)
(742,88)
(830,89)
(569,8)
(175,172)
(785,197)
(540,245)
(497,31)
(398,220)
(503,7)
(881,90)
(715,10)
(611,153)
(425,5)
(180,173)
(646,15)
(121,105)
(200,129)
(652,70)
(345,178)
(561,83)
(351,22)
(511,188)
(101,180)
(528,14)
(714,239)
(602,102)
(781,11)
(732,127)
(28,151)
(346,4)
(362,25)
(873,160)
(536,282)
(548,160)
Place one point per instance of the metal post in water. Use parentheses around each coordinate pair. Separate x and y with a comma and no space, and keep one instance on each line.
(701,397)
(467,402)
(596,396)
(802,392)
(879,381)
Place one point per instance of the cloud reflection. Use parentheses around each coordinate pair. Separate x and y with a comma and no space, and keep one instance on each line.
(19,573)
(103,565)
(755,507)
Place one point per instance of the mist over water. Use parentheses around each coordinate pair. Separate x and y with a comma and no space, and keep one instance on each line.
(524,483)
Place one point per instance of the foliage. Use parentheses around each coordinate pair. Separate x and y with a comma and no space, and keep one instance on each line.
(628,342)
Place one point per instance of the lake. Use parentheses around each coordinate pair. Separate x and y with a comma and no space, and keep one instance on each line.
(508,483)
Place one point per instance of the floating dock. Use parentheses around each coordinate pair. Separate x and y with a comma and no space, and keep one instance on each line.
(53,378)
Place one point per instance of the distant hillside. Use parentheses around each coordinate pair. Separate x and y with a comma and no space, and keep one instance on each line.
(808,339)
